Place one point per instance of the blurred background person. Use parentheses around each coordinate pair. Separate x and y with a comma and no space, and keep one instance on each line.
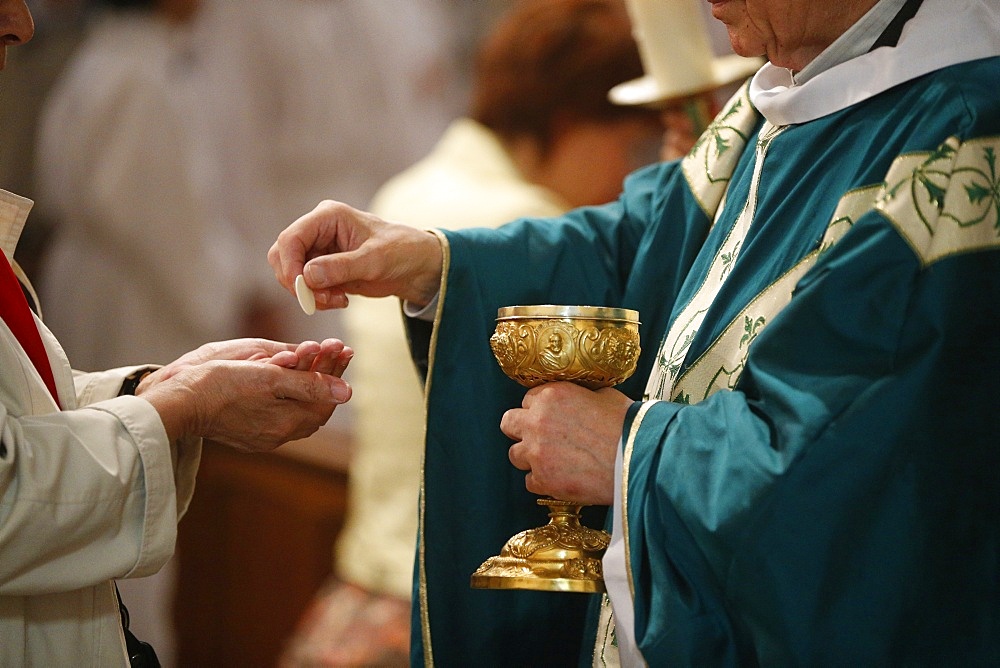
(363,90)
(138,264)
(540,137)
(474,21)
(268,127)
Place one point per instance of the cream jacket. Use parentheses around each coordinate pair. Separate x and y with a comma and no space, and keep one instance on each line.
(89,493)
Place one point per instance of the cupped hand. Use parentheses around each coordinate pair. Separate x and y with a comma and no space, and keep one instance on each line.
(247,404)
(330,356)
(340,250)
(235,349)
(252,394)
(566,439)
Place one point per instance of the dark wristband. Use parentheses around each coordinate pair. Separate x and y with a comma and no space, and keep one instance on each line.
(132,381)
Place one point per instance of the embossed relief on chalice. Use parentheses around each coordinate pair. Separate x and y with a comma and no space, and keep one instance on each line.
(557,347)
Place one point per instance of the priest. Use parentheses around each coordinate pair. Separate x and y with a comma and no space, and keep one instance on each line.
(802,471)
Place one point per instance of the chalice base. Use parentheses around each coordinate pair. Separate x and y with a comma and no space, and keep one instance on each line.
(563,555)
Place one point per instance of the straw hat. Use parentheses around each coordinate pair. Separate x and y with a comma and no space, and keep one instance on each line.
(676,55)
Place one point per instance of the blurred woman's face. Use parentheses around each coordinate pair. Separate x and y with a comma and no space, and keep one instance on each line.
(16,26)
(602,154)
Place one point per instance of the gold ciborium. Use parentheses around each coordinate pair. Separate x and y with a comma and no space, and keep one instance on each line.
(593,346)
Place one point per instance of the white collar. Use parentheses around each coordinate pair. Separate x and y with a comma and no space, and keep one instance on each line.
(968,28)
(856,40)
(13,212)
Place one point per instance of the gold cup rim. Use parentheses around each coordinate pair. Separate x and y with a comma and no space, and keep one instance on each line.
(527,311)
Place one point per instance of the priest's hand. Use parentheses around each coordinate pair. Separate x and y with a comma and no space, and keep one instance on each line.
(566,439)
(340,250)
(250,394)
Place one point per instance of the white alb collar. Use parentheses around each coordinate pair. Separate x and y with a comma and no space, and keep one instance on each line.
(856,40)
(943,33)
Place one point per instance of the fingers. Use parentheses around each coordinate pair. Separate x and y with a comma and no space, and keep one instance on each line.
(339,251)
(249,405)
(334,364)
(329,356)
(330,228)
(286,359)
(327,275)
(310,387)
(531,484)
(566,438)
(517,454)
(234,349)
(301,358)
(307,352)
(289,405)
(510,424)
(372,269)
(287,255)
(379,259)
(331,298)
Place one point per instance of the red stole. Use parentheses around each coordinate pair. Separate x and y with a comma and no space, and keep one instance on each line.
(18,317)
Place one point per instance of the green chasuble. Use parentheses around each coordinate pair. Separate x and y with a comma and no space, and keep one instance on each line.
(815,477)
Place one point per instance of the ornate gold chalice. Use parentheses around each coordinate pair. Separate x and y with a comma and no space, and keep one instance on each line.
(593,346)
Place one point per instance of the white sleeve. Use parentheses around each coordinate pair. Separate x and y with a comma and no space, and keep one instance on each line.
(616,580)
(88,495)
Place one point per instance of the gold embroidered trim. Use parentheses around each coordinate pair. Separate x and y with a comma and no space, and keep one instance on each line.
(605,653)
(626,466)
(674,346)
(711,163)
(721,365)
(946,202)
(425,625)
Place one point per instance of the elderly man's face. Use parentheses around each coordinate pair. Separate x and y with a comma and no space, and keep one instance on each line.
(789,32)
(16,26)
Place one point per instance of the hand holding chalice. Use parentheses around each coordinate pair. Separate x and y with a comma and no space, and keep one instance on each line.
(593,347)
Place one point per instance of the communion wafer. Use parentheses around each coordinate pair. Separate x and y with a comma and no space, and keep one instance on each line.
(307,300)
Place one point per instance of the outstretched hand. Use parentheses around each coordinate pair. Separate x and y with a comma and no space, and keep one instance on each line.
(340,250)
(251,394)
(566,439)
(302,356)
